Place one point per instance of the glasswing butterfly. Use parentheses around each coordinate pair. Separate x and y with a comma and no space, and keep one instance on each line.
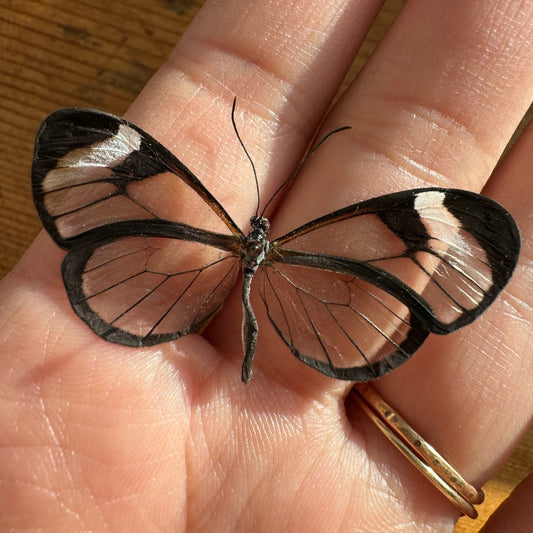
(152,255)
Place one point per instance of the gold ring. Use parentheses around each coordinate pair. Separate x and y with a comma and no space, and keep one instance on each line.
(421,454)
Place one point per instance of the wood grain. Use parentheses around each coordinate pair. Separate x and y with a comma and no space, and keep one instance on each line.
(100,54)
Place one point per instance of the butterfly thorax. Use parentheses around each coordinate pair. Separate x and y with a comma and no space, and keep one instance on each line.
(256,244)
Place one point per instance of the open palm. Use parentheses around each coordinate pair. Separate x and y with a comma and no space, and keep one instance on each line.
(107,438)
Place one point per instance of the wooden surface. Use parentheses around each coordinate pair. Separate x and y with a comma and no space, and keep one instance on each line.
(100,54)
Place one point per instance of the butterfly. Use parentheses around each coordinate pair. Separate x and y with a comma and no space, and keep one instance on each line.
(152,255)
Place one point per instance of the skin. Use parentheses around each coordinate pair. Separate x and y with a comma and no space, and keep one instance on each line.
(99,437)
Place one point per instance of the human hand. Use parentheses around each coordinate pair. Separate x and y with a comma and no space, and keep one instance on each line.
(167,438)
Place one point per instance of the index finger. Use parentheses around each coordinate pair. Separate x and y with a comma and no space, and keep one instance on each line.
(283,61)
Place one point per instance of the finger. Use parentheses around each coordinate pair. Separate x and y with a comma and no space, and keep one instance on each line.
(435,105)
(470,393)
(269,55)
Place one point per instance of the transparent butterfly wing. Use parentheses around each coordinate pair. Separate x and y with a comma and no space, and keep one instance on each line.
(91,169)
(151,254)
(147,288)
(356,292)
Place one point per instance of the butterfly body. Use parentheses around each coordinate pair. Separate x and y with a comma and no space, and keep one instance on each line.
(152,255)
(254,251)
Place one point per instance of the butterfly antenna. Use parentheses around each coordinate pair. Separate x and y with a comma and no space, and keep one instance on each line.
(247,155)
(301,164)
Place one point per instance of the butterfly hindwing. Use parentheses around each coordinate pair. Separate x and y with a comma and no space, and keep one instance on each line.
(339,321)
(144,289)
(355,293)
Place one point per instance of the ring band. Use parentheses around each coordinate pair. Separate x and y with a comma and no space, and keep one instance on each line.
(421,454)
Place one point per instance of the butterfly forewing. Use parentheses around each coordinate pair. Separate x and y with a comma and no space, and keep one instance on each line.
(357,291)
(91,169)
